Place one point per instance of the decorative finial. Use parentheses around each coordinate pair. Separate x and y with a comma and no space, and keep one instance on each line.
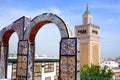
(87,6)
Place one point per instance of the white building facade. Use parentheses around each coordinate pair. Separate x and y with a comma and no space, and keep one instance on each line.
(44,69)
(114,66)
(110,63)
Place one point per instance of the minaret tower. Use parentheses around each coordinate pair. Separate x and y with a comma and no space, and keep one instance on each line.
(89,35)
(86,17)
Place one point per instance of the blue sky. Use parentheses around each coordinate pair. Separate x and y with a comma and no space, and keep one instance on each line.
(106,14)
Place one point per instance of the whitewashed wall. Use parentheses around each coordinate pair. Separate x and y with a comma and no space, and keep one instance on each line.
(44,75)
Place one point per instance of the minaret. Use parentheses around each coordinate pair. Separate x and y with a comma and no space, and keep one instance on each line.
(86,17)
(89,35)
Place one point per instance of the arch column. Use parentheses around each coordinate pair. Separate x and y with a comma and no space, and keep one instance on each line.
(17,26)
(69,59)
(22,69)
(31,59)
(0,49)
(22,52)
(3,61)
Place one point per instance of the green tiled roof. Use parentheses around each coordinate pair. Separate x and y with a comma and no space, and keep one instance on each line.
(87,11)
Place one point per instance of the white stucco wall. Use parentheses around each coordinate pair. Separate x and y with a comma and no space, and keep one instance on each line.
(44,75)
(110,63)
(9,71)
(49,74)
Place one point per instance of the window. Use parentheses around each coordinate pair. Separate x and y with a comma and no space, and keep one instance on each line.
(37,67)
(57,68)
(94,32)
(14,71)
(37,70)
(82,31)
(48,78)
(106,62)
(55,77)
(89,20)
(49,66)
(85,20)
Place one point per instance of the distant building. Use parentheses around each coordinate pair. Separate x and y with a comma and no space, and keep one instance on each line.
(110,63)
(113,65)
(116,72)
(45,68)
(12,55)
(89,35)
(118,60)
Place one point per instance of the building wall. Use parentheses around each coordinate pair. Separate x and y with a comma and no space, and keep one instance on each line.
(84,53)
(117,75)
(50,73)
(89,36)
(95,54)
(110,63)
(84,42)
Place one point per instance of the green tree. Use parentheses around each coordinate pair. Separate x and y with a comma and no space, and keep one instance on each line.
(106,72)
(95,71)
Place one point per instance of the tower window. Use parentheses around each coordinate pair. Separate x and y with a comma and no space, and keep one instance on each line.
(89,20)
(85,20)
(82,31)
(94,32)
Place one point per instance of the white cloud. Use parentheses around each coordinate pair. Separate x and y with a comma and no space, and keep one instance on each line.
(33,13)
(55,11)
(13,14)
(110,20)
